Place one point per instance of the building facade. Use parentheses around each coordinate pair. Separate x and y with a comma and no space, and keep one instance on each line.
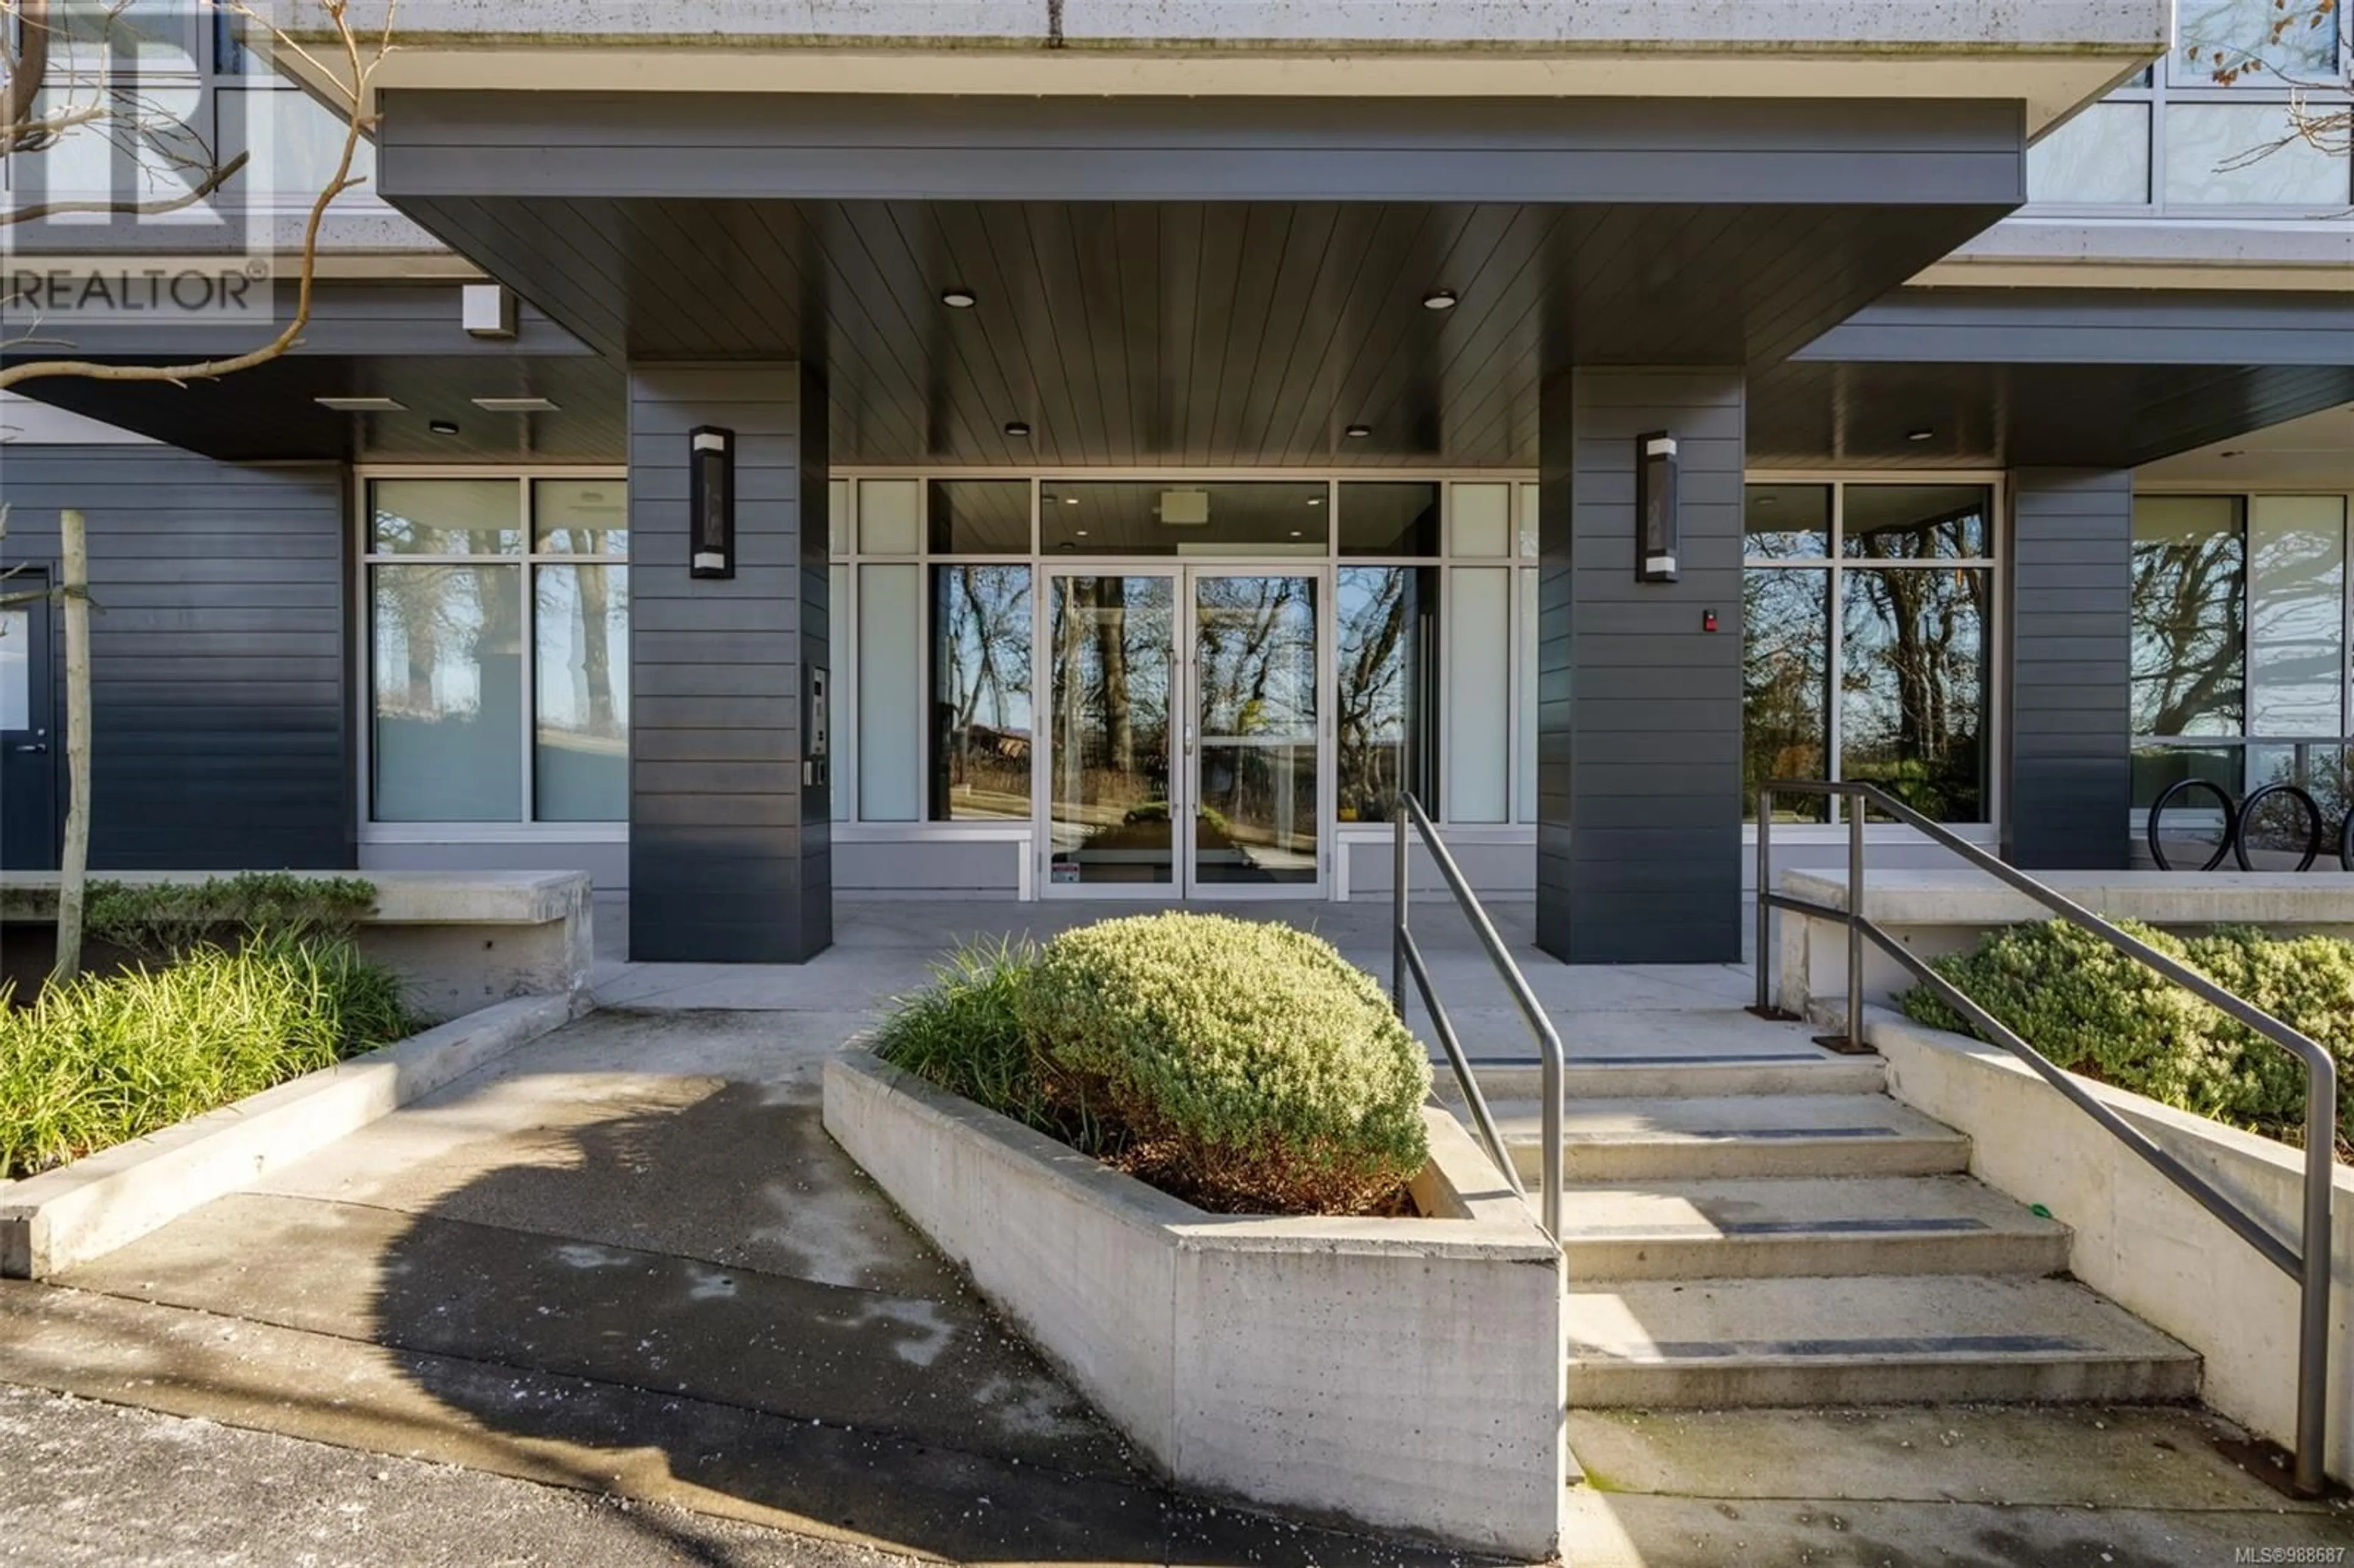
(1154,437)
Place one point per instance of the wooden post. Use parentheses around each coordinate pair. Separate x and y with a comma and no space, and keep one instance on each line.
(73,865)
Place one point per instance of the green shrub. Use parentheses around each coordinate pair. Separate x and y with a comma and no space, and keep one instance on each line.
(1244,1065)
(157,920)
(963,1033)
(100,1059)
(2096,1011)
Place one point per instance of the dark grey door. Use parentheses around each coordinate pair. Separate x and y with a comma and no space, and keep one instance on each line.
(28,749)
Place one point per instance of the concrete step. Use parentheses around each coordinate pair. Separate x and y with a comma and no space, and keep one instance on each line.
(1805,1225)
(1866,1340)
(1669,1076)
(1707,1138)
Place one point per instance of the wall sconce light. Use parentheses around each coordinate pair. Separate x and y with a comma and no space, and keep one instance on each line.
(1655,508)
(711,502)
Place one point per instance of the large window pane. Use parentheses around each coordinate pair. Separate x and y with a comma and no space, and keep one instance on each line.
(981,730)
(446,517)
(2296,615)
(581,516)
(837,518)
(2101,157)
(2189,590)
(446,736)
(1389,519)
(1524,743)
(1786,623)
(890,693)
(981,516)
(580,743)
(1387,620)
(1916,522)
(1787,522)
(837,651)
(2211,159)
(1112,651)
(1914,686)
(2263,42)
(1126,517)
(1478,680)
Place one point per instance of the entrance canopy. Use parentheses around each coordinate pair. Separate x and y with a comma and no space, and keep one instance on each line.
(1219,282)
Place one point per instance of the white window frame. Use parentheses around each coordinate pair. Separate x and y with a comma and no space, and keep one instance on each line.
(1996,564)
(525,828)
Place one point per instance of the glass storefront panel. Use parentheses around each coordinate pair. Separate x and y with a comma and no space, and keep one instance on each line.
(2211,160)
(2190,597)
(1111,651)
(1787,522)
(889,516)
(1479,688)
(1389,518)
(1149,517)
(581,516)
(580,722)
(890,693)
(980,516)
(1256,757)
(446,659)
(1480,520)
(1385,725)
(445,517)
(1916,522)
(982,739)
(1785,614)
(2265,40)
(1913,708)
(2296,615)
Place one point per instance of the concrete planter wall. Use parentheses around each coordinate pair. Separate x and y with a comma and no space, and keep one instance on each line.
(459,940)
(2137,1240)
(1405,1374)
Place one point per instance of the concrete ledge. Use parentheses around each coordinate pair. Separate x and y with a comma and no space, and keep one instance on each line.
(2137,1240)
(61,1218)
(1405,1374)
(1937,913)
(459,940)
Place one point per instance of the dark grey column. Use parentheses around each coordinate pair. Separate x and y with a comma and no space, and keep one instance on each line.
(2067,765)
(1638,722)
(729,851)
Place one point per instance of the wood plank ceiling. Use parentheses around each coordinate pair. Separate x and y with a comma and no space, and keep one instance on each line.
(1210,334)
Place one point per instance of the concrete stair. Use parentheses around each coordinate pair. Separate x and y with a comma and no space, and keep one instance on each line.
(1759,1223)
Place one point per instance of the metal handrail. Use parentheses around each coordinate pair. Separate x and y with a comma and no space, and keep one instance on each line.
(1406,958)
(2308,1263)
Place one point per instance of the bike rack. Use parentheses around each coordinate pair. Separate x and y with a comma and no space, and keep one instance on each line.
(2238,813)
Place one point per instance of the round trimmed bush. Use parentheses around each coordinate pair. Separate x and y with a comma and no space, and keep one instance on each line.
(1246,1066)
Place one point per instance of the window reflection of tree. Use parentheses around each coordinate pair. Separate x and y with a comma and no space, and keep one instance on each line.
(981,691)
(1111,659)
(1372,721)
(1785,681)
(1914,676)
(2189,634)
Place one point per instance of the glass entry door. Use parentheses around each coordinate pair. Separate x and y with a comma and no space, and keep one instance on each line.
(1184,735)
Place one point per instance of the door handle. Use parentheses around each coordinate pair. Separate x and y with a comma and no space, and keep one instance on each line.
(32,745)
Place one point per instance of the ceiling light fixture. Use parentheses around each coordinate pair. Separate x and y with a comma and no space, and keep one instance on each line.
(356,405)
(515,405)
(1922,434)
(1315,501)
(1082,533)
(1439,300)
(442,426)
(959,298)
(1017,426)
(1070,501)
(1357,432)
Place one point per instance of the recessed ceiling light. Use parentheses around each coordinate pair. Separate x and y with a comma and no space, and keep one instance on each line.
(1070,501)
(1920,435)
(442,426)
(514,404)
(363,405)
(959,298)
(1017,426)
(1439,300)
(1082,533)
(1315,501)
(1770,500)
(1357,432)
(1295,533)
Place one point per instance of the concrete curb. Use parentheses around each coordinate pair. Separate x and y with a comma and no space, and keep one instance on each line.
(61,1218)
(1403,1374)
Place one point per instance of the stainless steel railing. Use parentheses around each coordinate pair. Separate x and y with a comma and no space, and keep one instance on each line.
(2307,1263)
(1406,958)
